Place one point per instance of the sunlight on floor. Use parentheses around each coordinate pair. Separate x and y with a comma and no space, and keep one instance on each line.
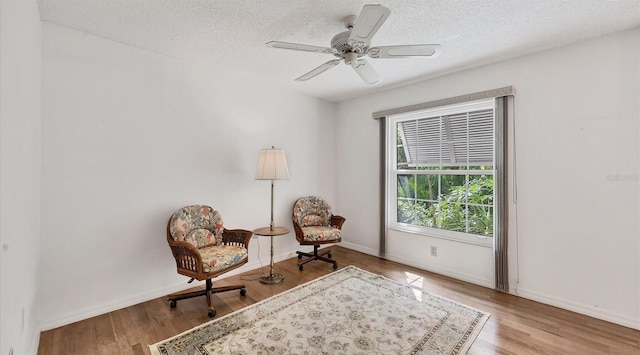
(415,281)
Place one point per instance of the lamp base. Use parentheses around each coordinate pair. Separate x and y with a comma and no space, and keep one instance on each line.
(271,279)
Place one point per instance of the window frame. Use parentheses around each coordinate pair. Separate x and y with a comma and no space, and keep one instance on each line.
(391,147)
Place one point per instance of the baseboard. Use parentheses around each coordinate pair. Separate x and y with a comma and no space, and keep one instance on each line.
(443,271)
(359,248)
(86,313)
(581,308)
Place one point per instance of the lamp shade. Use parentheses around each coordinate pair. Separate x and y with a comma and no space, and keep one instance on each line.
(272,165)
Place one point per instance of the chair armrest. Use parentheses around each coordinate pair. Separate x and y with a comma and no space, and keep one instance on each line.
(239,237)
(298,230)
(337,221)
(187,256)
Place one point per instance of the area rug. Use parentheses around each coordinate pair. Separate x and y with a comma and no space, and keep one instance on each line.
(350,311)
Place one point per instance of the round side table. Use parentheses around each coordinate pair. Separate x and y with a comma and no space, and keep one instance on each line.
(272,278)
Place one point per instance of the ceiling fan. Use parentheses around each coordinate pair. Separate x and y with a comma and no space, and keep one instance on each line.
(355,43)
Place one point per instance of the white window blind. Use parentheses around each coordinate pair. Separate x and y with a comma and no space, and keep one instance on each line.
(459,140)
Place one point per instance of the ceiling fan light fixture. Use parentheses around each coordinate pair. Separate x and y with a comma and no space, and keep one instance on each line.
(350,58)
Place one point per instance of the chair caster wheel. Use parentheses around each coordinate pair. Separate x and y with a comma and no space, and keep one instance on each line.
(212,313)
(300,267)
(299,256)
(329,255)
(243,291)
(173,304)
(335,266)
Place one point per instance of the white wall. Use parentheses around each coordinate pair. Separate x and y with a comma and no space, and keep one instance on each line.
(20,120)
(577,145)
(131,136)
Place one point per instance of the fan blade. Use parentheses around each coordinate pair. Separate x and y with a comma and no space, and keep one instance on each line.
(366,71)
(370,19)
(416,50)
(299,47)
(321,69)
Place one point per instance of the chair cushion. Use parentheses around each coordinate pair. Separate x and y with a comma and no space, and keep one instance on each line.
(194,217)
(313,220)
(320,233)
(200,238)
(312,211)
(219,257)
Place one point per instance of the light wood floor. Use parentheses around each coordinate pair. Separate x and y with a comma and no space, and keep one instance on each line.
(516,326)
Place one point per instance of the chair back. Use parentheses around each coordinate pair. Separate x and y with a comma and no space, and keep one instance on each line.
(311,211)
(199,225)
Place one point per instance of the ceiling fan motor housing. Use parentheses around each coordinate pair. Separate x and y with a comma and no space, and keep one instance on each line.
(340,43)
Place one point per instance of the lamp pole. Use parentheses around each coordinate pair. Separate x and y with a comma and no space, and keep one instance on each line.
(271,224)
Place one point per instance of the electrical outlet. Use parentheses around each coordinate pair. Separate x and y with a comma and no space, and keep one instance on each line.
(434,251)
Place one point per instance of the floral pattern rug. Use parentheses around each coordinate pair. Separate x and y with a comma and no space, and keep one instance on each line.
(350,311)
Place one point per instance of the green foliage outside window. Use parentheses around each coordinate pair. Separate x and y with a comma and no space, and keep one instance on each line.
(458,208)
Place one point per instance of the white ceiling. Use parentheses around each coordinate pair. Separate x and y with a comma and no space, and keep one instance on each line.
(231,35)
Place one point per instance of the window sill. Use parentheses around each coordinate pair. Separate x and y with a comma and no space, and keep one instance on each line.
(486,242)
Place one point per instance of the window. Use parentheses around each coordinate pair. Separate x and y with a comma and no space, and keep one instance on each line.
(441,171)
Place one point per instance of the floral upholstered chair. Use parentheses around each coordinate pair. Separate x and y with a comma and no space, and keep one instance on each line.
(204,249)
(315,225)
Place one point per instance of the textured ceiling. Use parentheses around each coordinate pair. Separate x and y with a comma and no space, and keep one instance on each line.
(231,35)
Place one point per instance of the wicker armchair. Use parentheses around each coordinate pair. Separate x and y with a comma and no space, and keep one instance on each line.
(315,225)
(204,249)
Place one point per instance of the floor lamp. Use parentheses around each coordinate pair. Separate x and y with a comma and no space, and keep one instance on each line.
(272,165)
